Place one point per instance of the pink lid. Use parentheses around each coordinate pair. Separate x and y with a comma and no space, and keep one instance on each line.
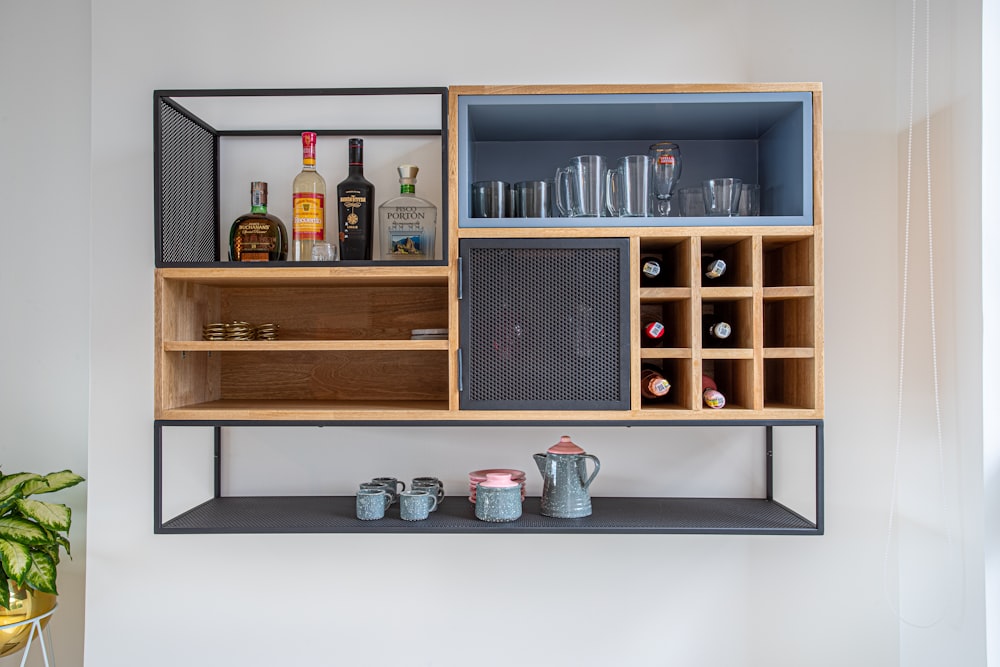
(565,446)
(499,480)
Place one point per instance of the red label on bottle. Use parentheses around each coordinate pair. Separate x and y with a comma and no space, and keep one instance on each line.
(655,330)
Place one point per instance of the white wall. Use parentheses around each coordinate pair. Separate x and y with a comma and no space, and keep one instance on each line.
(44,275)
(262,600)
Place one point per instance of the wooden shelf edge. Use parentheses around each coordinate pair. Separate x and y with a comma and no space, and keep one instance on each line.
(437,411)
(303,345)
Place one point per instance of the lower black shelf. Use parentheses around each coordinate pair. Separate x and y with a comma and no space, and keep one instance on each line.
(335,514)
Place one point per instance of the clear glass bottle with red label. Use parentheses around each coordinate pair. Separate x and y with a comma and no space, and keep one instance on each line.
(308,203)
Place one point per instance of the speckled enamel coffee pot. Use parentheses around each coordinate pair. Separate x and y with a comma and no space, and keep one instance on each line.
(565,480)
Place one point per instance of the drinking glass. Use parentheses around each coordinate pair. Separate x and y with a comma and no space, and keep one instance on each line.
(665,171)
(324,251)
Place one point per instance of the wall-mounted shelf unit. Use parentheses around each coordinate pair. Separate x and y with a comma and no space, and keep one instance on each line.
(344,356)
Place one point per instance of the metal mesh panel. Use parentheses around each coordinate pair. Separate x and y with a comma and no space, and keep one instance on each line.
(187,224)
(546,328)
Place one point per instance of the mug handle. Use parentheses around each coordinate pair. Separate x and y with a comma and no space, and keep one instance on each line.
(560,173)
(434,502)
(399,481)
(388,499)
(609,192)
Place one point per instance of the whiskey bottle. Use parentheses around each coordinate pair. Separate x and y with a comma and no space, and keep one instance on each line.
(653,385)
(355,207)
(308,203)
(650,272)
(407,223)
(258,236)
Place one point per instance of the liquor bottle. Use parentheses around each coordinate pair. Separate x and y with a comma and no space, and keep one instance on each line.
(308,203)
(650,272)
(712,267)
(710,394)
(652,333)
(716,332)
(653,385)
(258,236)
(407,223)
(355,206)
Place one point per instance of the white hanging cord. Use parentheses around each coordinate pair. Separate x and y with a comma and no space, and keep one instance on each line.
(904,311)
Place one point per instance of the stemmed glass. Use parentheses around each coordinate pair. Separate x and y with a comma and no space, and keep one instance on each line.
(665,171)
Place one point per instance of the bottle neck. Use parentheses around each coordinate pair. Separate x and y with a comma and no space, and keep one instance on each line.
(407,189)
(355,159)
(259,208)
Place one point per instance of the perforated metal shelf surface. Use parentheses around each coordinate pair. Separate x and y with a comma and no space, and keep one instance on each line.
(335,514)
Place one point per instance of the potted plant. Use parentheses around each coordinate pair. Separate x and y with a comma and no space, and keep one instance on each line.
(31,534)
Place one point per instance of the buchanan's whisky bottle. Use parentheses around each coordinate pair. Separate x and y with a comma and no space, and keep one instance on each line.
(258,236)
(355,206)
(308,203)
(407,223)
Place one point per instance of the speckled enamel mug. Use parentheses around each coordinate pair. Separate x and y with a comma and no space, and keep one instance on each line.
(392,485)
(416,505)
(372,503)
(431,485)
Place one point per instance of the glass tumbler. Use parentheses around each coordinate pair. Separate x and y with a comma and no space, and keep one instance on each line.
(722,195)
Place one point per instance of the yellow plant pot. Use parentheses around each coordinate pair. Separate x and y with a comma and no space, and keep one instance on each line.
(25,604)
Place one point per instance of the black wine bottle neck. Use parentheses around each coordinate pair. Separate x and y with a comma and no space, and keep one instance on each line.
(355,158)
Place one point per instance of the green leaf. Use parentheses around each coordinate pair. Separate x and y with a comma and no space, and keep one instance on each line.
(42,573)
(50,515)
(4,593)
(54,481)
(20,530)
(11,484)
(16,560)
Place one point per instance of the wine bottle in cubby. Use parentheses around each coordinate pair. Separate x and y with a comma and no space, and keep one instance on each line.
(653,333)
(650,272)
(710,394)
(712,267)
(653,385)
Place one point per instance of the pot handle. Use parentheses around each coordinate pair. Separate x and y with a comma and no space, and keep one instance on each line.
(597,468)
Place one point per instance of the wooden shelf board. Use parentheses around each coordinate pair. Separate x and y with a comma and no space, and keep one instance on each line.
(427,411)
(336,514)
(663,294)
(789,353)
(725,293)
(286,276)
(779,293)
(727,353)
(302,345)
(665,353)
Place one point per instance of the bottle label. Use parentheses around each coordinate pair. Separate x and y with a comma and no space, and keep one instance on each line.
(720,330)
(714,399)
(655,330)
(254,242)
(308,216)
(715,268)
(659,387)
(651,269)
(351,201)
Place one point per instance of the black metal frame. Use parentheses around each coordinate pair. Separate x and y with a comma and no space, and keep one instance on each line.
(168,97)
(624,516)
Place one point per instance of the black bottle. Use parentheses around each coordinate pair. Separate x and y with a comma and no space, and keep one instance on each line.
(355,206)
(716,332)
